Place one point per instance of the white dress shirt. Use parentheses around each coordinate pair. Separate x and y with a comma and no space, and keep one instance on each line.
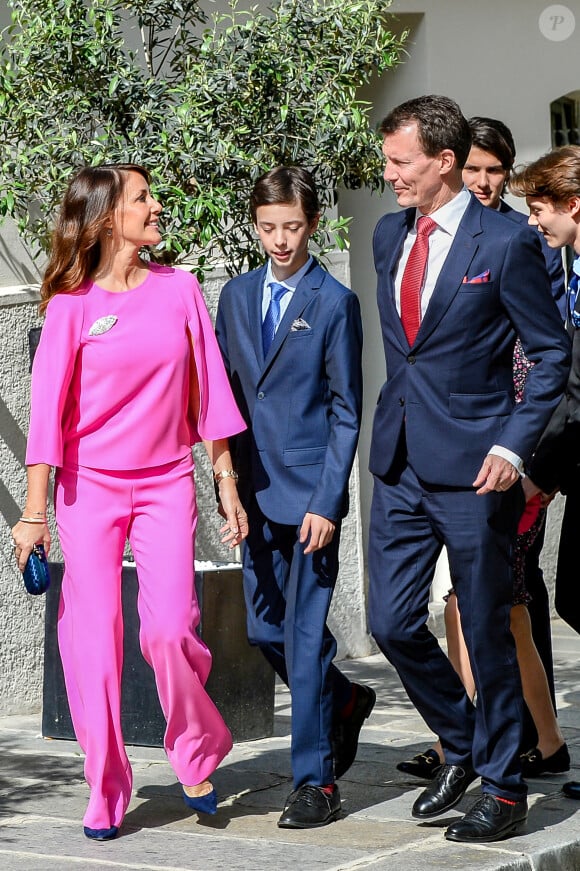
(291,283)
(447,218)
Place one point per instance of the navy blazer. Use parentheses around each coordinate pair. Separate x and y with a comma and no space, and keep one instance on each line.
(302,403)
(552,256)
(556,460)
(453,390)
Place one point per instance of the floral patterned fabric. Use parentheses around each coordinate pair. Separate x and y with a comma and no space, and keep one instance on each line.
(526,538)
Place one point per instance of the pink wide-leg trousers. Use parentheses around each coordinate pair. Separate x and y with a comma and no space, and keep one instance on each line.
(155,509)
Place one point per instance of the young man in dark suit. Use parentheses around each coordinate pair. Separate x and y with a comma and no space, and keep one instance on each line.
(486,174)
(448,447)
(551,186)
(291,339)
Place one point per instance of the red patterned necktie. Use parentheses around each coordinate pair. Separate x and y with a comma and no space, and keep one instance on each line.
(413,279)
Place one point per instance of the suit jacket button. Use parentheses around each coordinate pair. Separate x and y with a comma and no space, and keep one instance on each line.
(260,395)
(411,359)
(401,401)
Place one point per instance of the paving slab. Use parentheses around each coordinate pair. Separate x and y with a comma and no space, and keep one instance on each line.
(43,796)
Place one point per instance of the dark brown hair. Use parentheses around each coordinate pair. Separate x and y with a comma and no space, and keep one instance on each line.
(440,125)
(492,135)
(284,185)
(555,175)
(89,201)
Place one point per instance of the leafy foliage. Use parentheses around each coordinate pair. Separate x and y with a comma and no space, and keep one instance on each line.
(206,104)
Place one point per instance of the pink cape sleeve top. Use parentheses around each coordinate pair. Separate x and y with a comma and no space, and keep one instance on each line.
(110,380)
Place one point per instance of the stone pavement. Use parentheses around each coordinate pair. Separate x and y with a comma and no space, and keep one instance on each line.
(43,796)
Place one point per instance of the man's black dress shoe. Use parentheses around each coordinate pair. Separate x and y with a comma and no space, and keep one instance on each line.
(425,765)
(346,731)
(447,789)
(572,789)
(489,819)
(310,807)
(534,764)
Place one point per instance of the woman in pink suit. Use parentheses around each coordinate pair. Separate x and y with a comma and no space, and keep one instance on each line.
(127,376)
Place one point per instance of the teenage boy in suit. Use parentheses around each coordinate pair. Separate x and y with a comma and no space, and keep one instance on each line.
(447,450)
(551,186)
(291,339)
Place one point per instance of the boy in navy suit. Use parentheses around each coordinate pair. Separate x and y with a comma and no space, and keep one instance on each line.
(291,338)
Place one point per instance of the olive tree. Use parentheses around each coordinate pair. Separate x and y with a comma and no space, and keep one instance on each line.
(206,102)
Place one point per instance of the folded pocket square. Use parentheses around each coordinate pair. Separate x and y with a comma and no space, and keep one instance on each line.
(299,324)
(477,279)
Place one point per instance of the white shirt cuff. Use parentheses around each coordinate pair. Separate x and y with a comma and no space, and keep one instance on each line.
(512,458)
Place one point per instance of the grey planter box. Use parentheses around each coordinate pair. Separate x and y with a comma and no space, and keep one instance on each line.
(241,682)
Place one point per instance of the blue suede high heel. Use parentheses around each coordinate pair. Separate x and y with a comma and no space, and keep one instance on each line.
(101,834)
(203,804)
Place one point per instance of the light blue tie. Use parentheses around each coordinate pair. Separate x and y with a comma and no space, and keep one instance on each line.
(272,317)
(573,315)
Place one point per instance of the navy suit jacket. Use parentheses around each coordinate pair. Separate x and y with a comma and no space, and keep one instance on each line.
(453,390)
(552,256)
(302,403)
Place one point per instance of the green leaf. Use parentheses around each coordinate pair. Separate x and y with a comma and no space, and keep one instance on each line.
(207,100)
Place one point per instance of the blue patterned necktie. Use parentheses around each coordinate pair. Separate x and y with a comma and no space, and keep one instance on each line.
(272,317)
(573,315)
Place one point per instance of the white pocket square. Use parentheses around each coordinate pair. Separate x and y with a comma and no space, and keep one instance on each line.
(103,325)
(298,325)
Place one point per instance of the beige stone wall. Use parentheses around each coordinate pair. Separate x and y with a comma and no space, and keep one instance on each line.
(21,616)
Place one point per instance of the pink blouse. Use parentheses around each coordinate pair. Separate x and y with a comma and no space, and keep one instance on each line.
(110,380)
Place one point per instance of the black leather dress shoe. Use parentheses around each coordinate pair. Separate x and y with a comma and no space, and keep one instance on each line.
(533,763)
(572,789)
(489,819)
(425,765)
(346,731)
(310,807)
(447,789)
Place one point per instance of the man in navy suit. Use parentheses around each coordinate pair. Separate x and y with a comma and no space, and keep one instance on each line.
(291,339)
(448,448)
(486,173)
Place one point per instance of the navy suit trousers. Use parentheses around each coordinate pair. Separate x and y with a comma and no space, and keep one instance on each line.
(288,596)
(410,523)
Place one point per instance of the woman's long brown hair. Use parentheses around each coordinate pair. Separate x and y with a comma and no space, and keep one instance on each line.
(88,203)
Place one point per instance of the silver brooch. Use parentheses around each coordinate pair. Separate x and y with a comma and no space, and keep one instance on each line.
(103,325)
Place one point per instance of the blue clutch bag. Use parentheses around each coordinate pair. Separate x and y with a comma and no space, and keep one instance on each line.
(36,575)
